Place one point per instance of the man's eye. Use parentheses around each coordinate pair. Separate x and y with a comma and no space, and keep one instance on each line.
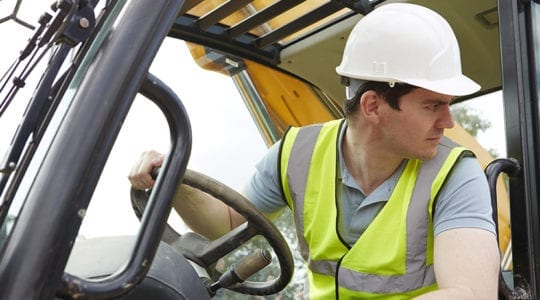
(433,107)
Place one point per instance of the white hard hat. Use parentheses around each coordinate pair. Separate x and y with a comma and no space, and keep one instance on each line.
(408,43)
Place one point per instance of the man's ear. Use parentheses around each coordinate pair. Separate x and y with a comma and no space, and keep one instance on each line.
(370,104)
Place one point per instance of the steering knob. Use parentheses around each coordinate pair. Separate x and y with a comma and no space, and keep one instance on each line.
(248,266)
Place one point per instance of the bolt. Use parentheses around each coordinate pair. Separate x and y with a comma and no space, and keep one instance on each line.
(84,23)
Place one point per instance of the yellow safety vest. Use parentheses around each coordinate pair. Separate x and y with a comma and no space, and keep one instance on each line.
(393,258)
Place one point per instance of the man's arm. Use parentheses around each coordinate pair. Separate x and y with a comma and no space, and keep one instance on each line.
(205,214)
(466,262)
(202,212)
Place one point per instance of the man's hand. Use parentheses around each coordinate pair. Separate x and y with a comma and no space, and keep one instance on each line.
(140,175)
(203,213)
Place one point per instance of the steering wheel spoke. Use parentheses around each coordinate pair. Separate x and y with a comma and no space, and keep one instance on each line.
(204,252)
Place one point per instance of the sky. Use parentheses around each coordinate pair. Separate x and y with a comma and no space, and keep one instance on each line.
(219,119)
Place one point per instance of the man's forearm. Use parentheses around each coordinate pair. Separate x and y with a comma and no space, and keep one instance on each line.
(205,214)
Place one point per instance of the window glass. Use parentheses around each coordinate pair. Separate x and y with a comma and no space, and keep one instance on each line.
(483,118)
(226,143)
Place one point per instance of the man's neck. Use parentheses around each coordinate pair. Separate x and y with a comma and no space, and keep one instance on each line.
(367,161)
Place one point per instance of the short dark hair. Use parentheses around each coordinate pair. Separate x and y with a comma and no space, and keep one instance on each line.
(390,94)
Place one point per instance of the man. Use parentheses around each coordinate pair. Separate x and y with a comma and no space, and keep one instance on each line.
(384,205)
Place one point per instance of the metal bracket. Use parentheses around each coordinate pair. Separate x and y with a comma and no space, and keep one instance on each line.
(80,26)
(363,7)
(80,22)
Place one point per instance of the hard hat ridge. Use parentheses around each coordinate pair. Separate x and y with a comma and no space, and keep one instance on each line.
(408,43)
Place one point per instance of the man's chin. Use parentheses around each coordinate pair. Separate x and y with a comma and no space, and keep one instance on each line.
(428,155)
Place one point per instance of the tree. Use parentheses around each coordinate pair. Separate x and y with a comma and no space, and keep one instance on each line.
(471,121)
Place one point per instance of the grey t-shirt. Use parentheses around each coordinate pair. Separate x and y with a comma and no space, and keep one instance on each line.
(464,200)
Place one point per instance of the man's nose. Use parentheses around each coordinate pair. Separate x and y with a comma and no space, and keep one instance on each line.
(445,119)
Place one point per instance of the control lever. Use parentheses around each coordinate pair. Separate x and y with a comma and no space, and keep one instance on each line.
(248,266)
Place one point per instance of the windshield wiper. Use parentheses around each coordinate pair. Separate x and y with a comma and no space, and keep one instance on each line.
(19,81)
(73,23)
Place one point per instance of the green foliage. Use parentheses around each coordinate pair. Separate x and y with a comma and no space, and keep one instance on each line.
(471,121)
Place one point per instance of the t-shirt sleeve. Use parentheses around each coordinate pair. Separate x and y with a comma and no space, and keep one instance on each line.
(264,189)
(465,200)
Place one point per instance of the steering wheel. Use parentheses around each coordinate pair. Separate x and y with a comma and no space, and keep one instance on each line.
(206,253)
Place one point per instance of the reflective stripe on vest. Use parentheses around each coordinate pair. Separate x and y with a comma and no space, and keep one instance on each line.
(308,171)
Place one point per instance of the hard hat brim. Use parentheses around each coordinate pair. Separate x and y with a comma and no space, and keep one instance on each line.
(456,86)
(460,85)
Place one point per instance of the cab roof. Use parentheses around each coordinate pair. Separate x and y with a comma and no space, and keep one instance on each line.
(306,38)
